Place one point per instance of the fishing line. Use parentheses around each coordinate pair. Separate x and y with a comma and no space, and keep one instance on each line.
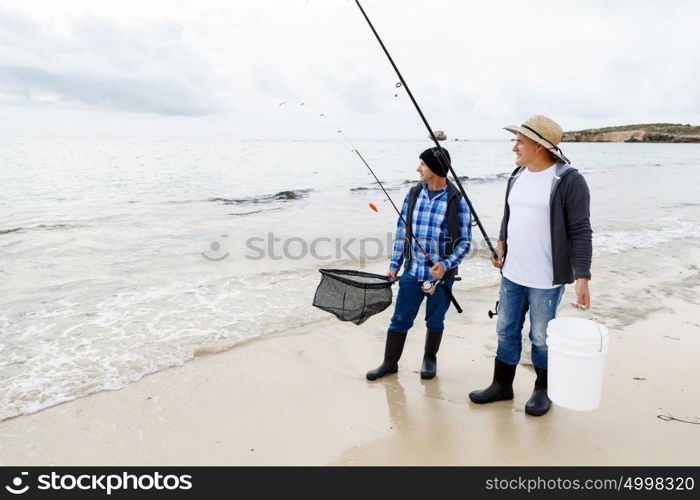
(427,289)
(440,151)
(402,83)
(430,288)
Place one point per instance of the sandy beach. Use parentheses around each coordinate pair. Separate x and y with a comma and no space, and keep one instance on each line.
(300,398)
(175,174)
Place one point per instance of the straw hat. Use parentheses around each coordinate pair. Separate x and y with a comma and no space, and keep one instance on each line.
(542,130)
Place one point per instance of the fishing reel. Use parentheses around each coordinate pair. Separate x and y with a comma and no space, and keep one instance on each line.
(428,287)
(492,313)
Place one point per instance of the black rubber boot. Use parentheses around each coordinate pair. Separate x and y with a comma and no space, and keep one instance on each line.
(501,389)
(539,403)
(392,354)
(432,344)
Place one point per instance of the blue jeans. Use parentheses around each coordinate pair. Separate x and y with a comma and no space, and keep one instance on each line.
(514,302)
(409,300)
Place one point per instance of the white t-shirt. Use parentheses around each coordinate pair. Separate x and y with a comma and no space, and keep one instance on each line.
(529,259)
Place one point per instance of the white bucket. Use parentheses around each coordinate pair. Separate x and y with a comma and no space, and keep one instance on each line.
(576,351)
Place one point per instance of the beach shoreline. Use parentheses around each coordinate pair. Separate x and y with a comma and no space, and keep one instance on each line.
(300,397)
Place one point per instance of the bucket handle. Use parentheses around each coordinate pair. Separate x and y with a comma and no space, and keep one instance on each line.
(589,318)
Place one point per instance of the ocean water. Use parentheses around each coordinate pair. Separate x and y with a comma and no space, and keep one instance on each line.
(122,257)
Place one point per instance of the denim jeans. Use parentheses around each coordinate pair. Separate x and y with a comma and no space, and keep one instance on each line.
(514,302)
(409,300)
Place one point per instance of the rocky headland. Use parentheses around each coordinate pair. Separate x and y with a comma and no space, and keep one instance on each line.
(650,132)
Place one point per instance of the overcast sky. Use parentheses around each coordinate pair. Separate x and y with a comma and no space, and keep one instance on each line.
(221,69)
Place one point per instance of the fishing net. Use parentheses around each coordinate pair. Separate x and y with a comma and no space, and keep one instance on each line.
(352,295)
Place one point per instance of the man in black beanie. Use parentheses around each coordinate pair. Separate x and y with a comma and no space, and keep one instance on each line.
(439,219)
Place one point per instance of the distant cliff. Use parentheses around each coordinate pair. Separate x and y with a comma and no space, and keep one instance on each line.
(650,132)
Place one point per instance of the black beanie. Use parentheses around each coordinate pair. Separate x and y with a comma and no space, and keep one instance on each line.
(433,159)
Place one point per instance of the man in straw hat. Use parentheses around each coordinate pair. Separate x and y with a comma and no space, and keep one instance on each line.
(545,242)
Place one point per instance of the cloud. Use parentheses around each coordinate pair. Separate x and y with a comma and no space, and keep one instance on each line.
(140,67)
(225,66)
(31,86)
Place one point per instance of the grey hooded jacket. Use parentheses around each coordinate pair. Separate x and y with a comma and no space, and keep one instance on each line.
(570,226)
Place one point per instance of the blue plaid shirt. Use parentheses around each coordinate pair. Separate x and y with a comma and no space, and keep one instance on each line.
(430,228)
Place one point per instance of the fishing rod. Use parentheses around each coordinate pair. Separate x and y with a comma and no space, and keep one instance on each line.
(432,134)
(447,290)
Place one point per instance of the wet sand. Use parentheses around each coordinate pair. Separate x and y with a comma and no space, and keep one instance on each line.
(301,398)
